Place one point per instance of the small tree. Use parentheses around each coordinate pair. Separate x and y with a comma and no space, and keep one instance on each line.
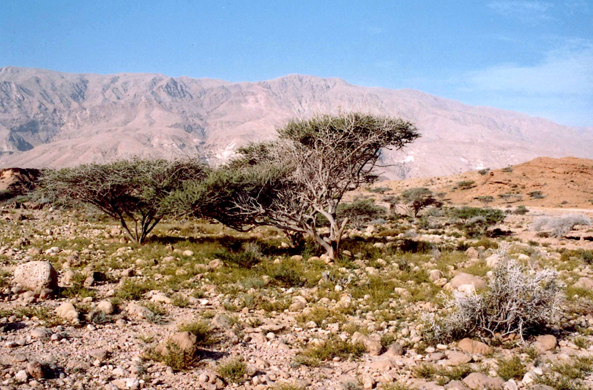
(135,192)
(306,172)
(416,199)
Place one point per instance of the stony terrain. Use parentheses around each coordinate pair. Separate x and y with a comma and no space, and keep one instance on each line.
(565,183)
(256,314)
(53,119)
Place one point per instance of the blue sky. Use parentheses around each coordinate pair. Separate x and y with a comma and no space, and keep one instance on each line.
(529,56)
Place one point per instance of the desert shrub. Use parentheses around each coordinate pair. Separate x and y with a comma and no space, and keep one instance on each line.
(508,169)
(484,171)
(465,184)
(232,370)
(360,212)
(560,226)
(536,195)
(475,221)
(202,330)
(179,359)
(485,199)
(517,301)
(380,190)
(520,210)
(511,197)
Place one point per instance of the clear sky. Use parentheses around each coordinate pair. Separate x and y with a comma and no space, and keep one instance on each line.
(529,56)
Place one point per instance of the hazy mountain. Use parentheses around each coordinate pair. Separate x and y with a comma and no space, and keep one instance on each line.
(53,119)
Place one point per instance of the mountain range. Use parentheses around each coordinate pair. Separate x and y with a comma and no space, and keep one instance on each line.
(54,119)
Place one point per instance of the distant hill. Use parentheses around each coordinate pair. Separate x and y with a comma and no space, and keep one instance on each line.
(53,119)
(542,182)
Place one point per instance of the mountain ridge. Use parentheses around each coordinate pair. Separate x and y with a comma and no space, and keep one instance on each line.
(54,119)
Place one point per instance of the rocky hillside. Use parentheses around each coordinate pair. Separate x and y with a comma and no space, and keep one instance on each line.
(542,182)
(57,119)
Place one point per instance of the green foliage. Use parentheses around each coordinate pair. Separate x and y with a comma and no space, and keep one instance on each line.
(202,330)
(419,198)
(475,220)
(329,349)
(520,210)
(134,192)
(511,368)
(131,290)
(360,212)
(484,171)
(508,169)
(306,172)
(232,370)
(179,359)
(485,199)
(466,184)
(536,195)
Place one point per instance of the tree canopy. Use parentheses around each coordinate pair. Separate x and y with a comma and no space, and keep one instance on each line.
(305,172)
(135,192)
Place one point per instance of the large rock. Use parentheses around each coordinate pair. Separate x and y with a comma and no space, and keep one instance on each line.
(584,283)
(67,311)
(138,312)
(372,345)
(473,346)
(36,276)
(472,253)
(462,279)
(545,343)
(479,381)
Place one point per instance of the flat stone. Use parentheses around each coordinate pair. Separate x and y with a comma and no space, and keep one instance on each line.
(545,343)
(462,279)
(479,381)
(473,346)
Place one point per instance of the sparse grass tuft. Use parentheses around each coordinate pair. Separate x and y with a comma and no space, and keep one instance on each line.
(511,368)
(175,357)
(333,347)
(232,370)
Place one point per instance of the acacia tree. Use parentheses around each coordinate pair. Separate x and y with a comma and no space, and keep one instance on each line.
(135,192)
(306,172)
(416,199)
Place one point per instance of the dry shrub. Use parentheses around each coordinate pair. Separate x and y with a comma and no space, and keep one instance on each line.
(560,226)
(518,301)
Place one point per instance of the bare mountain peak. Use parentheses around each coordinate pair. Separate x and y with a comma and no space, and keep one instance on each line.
(50,118)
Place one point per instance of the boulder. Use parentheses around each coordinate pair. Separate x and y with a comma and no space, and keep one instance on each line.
(36,276)
(298,304)
(106,307)
(464,279)
(137,311)
(473,346)
(456,358)
(435,275)
(477,380)
(36,370)
(584,283)
(545,343)
(67,311)
(372,345)
(472,253)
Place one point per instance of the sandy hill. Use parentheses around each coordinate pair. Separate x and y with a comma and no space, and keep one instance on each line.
(53,119)
(542,182)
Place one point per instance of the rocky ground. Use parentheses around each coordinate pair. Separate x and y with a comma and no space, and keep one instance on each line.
(199,306)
